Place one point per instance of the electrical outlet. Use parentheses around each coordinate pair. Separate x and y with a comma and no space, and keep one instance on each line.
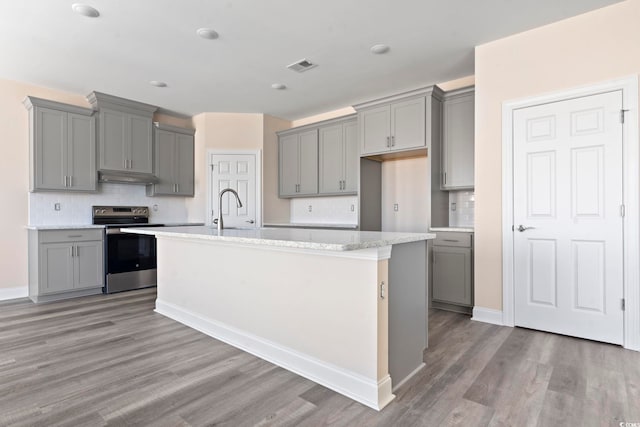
(310,208)
(155,208)
(57,206)
(453,206)
(395,207)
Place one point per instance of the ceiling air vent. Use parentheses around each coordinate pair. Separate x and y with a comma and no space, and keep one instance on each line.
(302,65)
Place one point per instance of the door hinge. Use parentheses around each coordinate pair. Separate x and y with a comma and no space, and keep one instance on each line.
(622,211)
(623,304)
(622,115)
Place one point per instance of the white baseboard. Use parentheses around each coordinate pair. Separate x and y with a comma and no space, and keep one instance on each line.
(487,315)
(369,392)
(13,293)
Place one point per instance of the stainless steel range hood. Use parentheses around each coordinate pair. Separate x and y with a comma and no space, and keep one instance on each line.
(120,177)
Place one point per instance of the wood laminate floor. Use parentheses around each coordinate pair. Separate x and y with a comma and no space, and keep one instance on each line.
(110,360)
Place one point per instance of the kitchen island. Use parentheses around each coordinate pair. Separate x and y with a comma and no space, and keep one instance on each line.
(346,309)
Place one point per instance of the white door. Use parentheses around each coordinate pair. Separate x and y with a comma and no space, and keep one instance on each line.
(567,184)
(238,172)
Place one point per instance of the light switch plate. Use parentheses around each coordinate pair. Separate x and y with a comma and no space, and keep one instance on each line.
(57,206)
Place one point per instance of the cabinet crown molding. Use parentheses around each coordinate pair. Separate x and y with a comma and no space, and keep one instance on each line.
(99,99)
(315,125)
(171,128)
(463,91)
(31,102)
(433,91)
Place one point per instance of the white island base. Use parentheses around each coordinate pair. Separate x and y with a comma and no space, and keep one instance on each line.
(351,320)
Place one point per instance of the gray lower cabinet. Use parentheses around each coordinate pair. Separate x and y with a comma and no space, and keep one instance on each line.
(452,271)
(458,140)
(65,263)
(62,144)
(298,163)
(338,158)
(173,161)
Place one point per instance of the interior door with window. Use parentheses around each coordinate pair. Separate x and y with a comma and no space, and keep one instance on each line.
(238,172)
(568,225)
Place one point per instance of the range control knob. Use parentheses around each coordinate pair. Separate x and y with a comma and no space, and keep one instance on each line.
(97,211)
(103,211)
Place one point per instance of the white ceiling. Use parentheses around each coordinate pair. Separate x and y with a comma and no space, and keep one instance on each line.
(134,41)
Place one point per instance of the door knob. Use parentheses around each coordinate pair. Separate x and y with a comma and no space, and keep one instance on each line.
(250,221)
(522,228)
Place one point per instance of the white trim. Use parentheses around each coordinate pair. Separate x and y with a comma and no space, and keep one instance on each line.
(14,293)
(488,315)
(631,159)
(209,162)
(372,393)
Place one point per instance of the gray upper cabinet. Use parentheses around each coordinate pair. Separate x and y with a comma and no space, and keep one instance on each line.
(173,161)
(124,134)
(394,126)
(62,144)
(338,158)
(298,163)
(65,263)
(458,140)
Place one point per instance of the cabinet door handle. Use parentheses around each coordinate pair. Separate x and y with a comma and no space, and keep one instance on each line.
(71,251)
(77,250)
(64,181)
(124,163)
(388,144)
(70,181)
(177,188)
(393,141)
(445,177)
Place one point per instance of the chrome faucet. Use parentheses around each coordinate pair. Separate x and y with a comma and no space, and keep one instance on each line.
(238,203)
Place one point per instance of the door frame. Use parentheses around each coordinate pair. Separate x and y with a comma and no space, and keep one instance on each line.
(209,163)
(631,188)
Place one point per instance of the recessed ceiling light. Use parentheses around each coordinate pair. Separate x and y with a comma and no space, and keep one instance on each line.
(85,10)
(207,33)
(278,86)
(157,83)
(379,49)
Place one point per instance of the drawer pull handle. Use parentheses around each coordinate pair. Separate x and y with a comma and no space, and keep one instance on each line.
(450,240)
(71,236)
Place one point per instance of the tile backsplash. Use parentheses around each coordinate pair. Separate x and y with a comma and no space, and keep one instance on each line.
(461,208)
(75,208)
(325,210)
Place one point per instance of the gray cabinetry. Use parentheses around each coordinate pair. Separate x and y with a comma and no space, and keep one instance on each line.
(298,163)
(338,158)
(124,134)
(62,144)
(173,161)
(452,271)
(65,263)
(458,140)
(394,126)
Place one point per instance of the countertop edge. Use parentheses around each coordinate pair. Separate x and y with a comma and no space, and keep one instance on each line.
(296,244)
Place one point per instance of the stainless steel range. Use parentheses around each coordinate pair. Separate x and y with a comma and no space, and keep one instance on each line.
(130,259)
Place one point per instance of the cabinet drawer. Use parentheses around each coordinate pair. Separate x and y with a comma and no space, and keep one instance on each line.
(452,238)
(70,235)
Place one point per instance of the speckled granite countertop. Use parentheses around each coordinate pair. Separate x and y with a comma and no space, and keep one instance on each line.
(458,229)
(329,240)
(63,227)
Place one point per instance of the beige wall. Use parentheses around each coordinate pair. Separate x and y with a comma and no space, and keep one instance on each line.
(586,49)
(224,131)
(14,174)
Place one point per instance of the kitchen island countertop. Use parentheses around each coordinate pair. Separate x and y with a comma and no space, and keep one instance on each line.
(330,240)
